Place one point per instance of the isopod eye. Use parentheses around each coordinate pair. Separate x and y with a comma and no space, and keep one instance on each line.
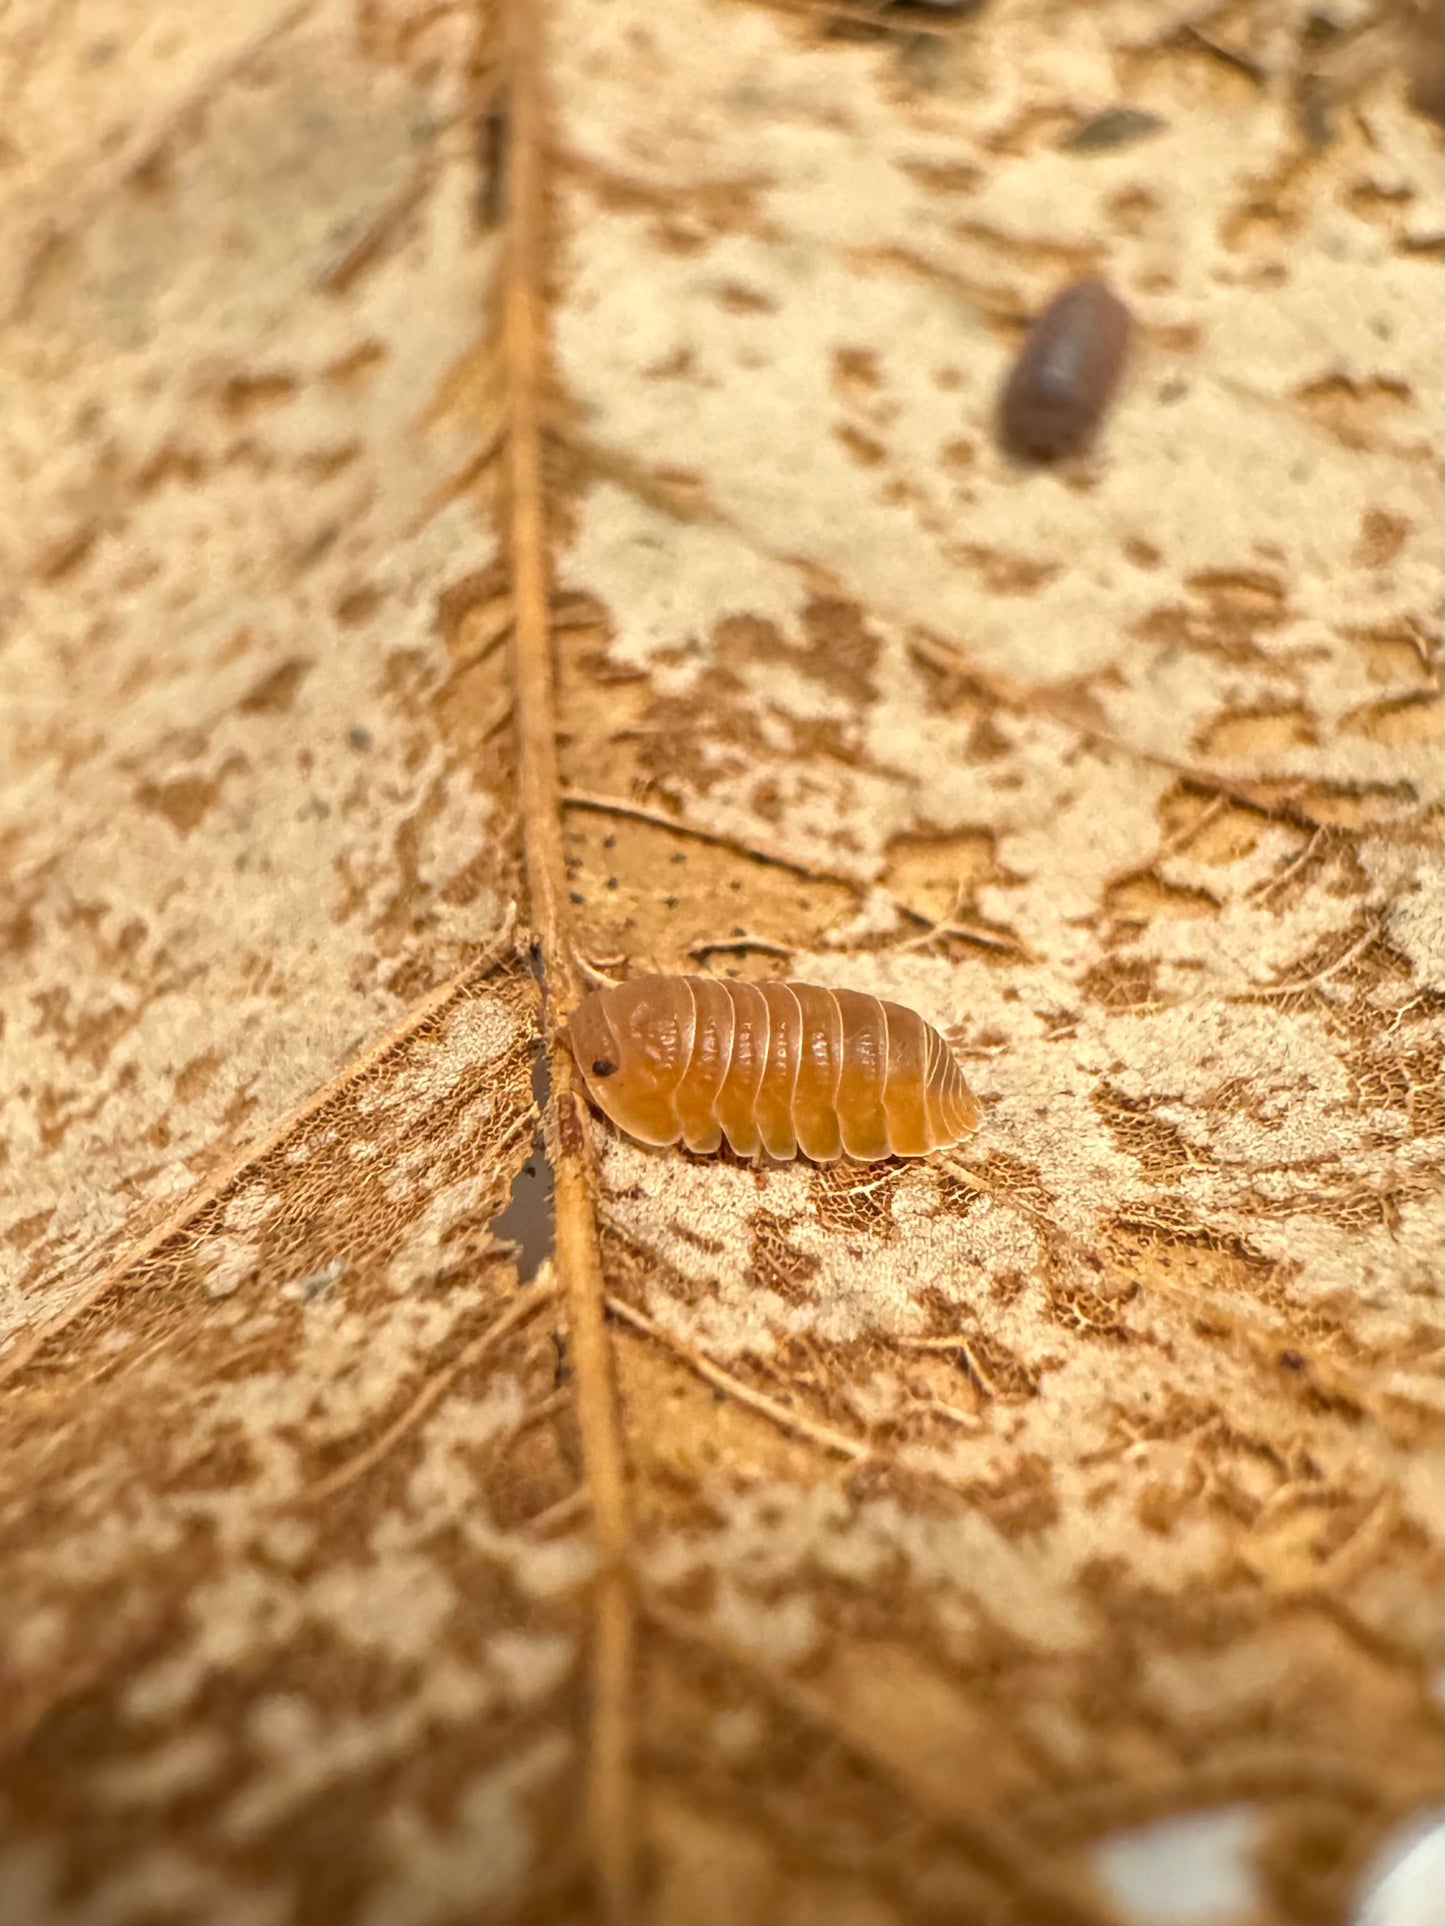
(603,1067)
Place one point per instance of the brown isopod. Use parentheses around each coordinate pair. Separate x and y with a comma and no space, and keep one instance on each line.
(776,1068)
(1066,374)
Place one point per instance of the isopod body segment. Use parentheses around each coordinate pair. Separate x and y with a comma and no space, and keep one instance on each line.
(1066,374)
(777,1068)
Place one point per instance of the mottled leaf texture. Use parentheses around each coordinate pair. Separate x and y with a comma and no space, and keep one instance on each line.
(489,494)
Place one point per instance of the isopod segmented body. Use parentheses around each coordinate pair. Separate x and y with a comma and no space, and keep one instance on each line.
(776,1068)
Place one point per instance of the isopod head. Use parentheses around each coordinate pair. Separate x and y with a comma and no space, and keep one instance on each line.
(630,1054)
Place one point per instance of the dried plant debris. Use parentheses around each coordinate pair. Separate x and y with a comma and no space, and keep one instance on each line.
(1067,371)
(1112,128)
(1425,58)
(522,487)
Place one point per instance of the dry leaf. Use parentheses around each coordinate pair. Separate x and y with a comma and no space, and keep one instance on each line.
(488,492)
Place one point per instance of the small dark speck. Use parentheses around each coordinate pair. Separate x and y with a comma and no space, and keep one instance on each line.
(671,901)
(678,856)
(609,842)
(575,896)
(738,930)
(1291,1361)
(612,882)
(736,883)
(1115,127)
(359,738)
(491,166)
(316,1285)
(1173,391)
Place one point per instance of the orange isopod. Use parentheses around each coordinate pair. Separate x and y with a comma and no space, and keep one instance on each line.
(776,1068)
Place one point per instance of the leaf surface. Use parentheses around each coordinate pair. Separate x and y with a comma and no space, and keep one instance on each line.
(489,495)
